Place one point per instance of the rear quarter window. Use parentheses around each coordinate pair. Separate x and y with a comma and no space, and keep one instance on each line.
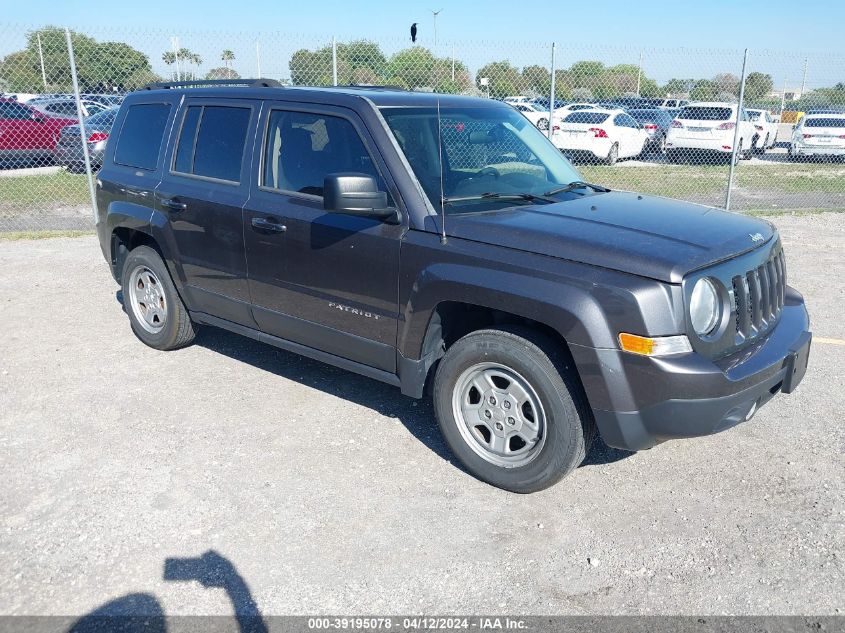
(141,135)
(212,140)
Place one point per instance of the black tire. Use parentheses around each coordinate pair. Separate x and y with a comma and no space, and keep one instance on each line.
(673,155)
(543,124)
(612,155)
(177,330)
(569,426)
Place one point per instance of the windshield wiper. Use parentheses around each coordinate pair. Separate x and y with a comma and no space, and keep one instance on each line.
(577,184)
(528,197)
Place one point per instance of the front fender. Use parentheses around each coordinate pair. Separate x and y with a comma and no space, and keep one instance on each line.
(586,305)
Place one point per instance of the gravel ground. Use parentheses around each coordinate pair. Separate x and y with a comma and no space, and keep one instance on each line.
(326,492)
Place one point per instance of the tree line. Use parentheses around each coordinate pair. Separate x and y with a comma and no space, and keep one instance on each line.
(116,65)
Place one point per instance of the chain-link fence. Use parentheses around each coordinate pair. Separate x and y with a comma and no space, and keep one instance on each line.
(759,132)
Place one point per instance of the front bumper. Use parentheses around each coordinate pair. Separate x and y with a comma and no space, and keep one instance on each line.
(639,401)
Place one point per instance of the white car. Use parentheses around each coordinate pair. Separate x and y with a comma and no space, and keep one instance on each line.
(574,107)
(599,133)
(766,128)
(517,99)
(535,114)
(817,135)
(706,129)
(670,104)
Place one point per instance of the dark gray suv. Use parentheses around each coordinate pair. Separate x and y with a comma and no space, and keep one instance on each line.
(443,245)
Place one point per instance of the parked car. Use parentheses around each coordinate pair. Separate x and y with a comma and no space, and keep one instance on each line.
(542,310)
(538,117)
(27,134)
(66,107)
(108,100)
(766,129)
(669,104)
(543,103)
(69,153)
(818,136)
(517,99)
(574,106)
(605,135)
(705,130)
(625,103)
(656,123)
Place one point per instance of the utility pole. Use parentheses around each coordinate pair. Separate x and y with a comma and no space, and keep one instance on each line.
(258,57)
(434,15)
(804,80)
(783,98)
(453,62)
(174,43)
(41,57)
(639,73)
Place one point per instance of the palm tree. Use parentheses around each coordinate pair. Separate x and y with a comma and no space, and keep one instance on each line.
(227,57)
(183,55)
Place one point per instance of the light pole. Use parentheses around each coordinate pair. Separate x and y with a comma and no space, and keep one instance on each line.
(434,14)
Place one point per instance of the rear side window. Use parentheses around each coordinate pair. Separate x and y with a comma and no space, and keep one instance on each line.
(591,118)
(11,110)
(826,122)
(706,113)
(211,142)
(141,135)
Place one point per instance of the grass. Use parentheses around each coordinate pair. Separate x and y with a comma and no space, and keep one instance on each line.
(15,236)
(697,181)
(25,192)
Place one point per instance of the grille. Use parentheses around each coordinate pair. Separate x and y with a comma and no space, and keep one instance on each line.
(758,298)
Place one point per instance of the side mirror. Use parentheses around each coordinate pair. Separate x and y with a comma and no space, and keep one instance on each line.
(356,194)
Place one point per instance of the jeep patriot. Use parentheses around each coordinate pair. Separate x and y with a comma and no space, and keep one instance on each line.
(442,244)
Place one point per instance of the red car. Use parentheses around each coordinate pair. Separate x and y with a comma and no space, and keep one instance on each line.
(27,134)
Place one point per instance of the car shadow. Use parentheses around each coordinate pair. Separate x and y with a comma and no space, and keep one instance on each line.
(416,415)
(142,612)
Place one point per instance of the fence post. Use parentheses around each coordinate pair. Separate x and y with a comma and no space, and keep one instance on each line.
(552,96)
(736,134)
(82,136)
(334,60)
(41,57)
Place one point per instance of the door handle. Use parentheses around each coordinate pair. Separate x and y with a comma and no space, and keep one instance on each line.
(173,204)
(263,224)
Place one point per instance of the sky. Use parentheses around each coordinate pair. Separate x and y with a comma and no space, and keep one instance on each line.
(695,39)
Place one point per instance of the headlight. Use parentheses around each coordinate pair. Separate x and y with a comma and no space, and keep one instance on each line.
(704,307)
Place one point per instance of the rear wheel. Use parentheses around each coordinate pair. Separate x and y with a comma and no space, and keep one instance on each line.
(156,312)
(511,408)
(612,155)
(543,124)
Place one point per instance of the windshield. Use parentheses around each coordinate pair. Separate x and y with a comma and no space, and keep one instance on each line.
(104,118)
(485,150)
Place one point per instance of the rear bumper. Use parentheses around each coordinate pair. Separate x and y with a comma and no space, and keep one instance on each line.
(66,155)
(817,150)
(705,144)
(639,402)
(597,147)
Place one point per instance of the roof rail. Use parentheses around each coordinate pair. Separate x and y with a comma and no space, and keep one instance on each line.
(249,83)
(369,87)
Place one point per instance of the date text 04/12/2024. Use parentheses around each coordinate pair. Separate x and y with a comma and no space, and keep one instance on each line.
(418,623)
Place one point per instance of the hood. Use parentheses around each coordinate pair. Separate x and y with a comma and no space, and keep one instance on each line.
(653,237)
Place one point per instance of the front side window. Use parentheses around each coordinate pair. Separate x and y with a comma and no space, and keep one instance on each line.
(301,149)
(486,150)
(141,135)
(211,141)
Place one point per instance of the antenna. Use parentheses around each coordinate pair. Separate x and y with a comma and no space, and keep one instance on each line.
(442,195)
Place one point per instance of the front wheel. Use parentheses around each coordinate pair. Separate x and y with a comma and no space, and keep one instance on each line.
(156,312)
(512,410)
(543,124)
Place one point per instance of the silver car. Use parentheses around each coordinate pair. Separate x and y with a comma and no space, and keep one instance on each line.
(68,150)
